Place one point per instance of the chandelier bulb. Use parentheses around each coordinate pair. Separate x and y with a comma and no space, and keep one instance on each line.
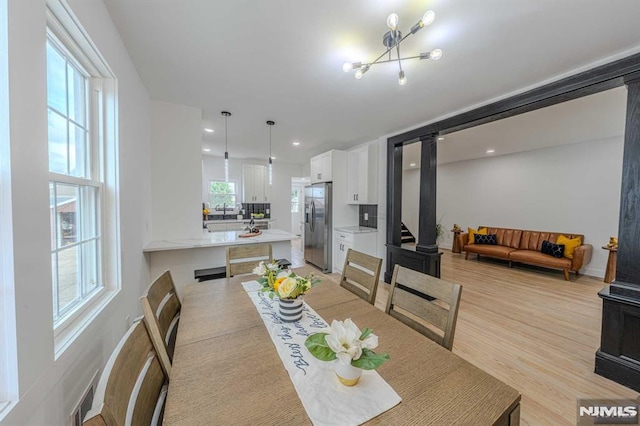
(402,79)
(392,21)
(436,54)
(360,72)
(348,66)
(428,18)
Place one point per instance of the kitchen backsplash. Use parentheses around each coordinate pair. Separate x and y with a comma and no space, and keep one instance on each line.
(371,211)
(263,208)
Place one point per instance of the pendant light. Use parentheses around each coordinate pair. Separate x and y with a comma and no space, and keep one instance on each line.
(226,115)
(270,123)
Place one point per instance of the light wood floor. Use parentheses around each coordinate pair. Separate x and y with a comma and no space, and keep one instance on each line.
(533,330)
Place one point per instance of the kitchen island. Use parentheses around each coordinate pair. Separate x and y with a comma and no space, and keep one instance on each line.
(184,256)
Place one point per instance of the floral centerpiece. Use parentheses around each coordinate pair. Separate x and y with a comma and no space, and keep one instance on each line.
(352,348)
(287,286)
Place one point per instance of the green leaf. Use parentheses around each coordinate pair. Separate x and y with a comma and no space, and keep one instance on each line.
(370,360)
(317,345)
(366,332)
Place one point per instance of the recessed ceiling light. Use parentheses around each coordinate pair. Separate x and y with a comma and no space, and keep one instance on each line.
(206,149)
(491,151)
(209,130)
(412,165)
(441,138)
(295,143)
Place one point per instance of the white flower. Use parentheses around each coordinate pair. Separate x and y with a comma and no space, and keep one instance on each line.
(344,340)
(260,269)
(272,266)
(282,274)
(370,342)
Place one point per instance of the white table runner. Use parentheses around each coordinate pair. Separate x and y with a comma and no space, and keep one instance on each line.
(325,399)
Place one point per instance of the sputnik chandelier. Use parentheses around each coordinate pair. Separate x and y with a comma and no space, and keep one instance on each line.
(391,40)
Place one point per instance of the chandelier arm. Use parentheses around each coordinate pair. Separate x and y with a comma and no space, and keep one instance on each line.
(391,60)
(398,52)
(378,61)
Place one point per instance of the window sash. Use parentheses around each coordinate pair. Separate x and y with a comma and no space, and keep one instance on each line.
(217,198)
(81,259)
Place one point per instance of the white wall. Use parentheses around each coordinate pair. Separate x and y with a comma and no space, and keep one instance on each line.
(411,199)
(213,169)
(176,152)
(572,188)
(48,387)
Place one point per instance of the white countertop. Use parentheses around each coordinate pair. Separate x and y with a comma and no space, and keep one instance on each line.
(355,229)
(220,239)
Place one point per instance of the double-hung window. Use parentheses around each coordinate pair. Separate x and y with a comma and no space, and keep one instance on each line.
(223,194)
(83,176)
(74,185)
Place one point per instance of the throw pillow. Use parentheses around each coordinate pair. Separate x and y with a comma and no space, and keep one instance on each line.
(569,245)
(473,232)
(555,250)
(486,239)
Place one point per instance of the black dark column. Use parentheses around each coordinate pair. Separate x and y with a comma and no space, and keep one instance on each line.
(427,215)
(394,207)
(619,355)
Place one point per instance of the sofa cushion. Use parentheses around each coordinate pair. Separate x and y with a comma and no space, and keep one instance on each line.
(537,258)
(570,245)
(485,239)
(555,250)
(473,232)
(501,252)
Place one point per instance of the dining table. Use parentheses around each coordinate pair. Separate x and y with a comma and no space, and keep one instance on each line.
(226,369)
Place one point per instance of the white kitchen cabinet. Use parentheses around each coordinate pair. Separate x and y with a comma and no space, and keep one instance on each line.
(362,175)
(256,188)
(345,239)
(322,167)
(340,248)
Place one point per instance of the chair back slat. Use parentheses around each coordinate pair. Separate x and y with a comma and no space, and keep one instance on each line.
(167,314)
(243,259)
(131,383)
(430,300)
(430,312)
(438,338)
(422,283)
(161,307)
(162,286)
(360,275)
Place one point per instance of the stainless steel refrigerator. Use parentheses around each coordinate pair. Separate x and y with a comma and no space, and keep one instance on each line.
(317,225)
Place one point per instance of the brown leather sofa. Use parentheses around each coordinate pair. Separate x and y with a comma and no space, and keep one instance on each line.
(517,245)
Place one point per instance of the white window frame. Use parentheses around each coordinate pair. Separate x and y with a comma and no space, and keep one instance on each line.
(235,194)
(8,338)
(63,27)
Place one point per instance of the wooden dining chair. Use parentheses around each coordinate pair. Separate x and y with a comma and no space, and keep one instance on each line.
(360,275)
(161,308)
(427,304)
(243,259)
(133,387)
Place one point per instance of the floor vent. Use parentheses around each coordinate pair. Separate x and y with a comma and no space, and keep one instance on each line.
(84,404)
